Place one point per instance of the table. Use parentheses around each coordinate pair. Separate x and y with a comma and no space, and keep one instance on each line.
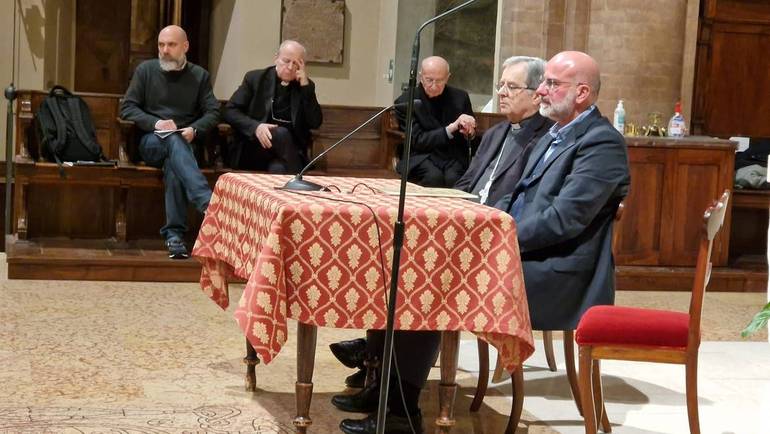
(323,259)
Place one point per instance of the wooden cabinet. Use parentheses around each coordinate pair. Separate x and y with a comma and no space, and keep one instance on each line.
(672,183)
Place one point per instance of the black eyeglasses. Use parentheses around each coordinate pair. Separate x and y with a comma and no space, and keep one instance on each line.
(509,88)
(551,84)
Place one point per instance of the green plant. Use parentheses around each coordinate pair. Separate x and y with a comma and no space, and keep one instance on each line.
(759,321)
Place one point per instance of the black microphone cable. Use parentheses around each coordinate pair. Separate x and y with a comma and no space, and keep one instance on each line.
(382,277)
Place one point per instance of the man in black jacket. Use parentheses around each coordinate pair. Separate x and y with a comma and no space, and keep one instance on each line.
(494,172)
(505,147)
(172,102)
(272,113)
(443,125)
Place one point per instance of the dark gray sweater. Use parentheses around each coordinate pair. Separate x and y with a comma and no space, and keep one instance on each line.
(184,96)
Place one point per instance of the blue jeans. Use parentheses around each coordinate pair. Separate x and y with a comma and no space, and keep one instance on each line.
(182,179)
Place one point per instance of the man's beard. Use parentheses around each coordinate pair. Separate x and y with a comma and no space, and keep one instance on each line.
(560,110)
(171,64)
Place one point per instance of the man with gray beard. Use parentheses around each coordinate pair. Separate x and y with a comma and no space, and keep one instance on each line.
(171,101)
(566,200)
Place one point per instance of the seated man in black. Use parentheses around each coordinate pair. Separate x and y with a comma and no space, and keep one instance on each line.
(272,113)
(443,125)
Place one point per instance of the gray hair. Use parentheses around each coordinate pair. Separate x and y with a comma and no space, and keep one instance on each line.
(535,69)
(288,42)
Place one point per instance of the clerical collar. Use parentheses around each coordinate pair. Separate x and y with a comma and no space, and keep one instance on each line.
(515,126)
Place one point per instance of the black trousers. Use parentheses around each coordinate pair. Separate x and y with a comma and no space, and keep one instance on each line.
(285,156)
(414,351)
(432,172)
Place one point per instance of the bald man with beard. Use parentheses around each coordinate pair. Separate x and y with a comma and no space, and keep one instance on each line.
(565,203)
(442,129)
(173,95)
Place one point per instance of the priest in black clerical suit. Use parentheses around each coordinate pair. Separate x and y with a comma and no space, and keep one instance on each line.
(272,113)
(442,129)
(493,173)
(501,157)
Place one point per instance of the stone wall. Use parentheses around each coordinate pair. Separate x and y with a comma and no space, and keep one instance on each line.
(641,46)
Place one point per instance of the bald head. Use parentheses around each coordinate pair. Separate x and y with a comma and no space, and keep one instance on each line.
(175,32)
(581,67)
(435,64)
(570,86)
(172,48)
(434,74)
(292,47)
(289,59)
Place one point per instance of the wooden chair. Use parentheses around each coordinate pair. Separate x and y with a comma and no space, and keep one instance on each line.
(518,379)
(648,335)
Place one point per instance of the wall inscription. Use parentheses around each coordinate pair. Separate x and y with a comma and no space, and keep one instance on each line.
(319,25)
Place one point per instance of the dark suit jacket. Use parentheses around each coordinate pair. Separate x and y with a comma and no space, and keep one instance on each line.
(509,170)
(251,103)
(565,230)
(429,133)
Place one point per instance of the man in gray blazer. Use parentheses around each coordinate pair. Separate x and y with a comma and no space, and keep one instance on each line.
(565,203)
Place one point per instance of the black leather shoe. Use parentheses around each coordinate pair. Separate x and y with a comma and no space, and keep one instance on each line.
(351,353)
(365,401)
(393,425)
(356,380)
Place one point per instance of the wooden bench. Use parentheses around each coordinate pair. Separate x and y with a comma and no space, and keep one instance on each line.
(122,202)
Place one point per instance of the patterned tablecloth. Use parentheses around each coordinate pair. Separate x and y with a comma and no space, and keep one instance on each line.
(324,258)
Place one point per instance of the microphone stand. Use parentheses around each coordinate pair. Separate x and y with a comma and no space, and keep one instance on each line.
(398,227)
(297,183)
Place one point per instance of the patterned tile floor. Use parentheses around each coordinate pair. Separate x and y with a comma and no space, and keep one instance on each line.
(114,357)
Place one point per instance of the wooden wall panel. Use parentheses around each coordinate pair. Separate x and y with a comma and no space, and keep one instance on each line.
(362,150)
(638,232)
(71,211)
(697,179)
(102,45)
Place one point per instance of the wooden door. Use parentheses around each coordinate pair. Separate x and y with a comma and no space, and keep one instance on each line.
(732,71)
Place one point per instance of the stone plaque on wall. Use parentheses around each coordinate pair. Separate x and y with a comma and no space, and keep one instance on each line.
(318,25)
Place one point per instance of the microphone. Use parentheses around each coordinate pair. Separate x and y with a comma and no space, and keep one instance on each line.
(297,183)
(398,227)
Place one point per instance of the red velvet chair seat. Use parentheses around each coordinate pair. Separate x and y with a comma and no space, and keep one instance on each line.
(631,326)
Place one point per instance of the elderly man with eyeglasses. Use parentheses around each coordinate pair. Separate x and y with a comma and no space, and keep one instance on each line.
(565,203)
(442,129)
(494,171)
(272,113)
(505,147)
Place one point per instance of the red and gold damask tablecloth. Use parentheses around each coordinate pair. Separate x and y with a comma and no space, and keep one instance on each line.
(324,258)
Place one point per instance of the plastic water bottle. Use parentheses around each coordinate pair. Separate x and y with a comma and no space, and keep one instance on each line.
(619,120)
(677,126)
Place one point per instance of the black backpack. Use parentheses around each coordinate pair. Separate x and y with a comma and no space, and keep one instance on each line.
(65,129)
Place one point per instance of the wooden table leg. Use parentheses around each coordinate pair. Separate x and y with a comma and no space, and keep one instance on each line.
(306,340)
(517,381)
(251,360)
(450,348)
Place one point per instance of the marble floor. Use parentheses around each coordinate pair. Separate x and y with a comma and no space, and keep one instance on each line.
(114,357)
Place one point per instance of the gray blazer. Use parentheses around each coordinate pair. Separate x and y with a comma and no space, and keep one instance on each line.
(565,229)
(510,169)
